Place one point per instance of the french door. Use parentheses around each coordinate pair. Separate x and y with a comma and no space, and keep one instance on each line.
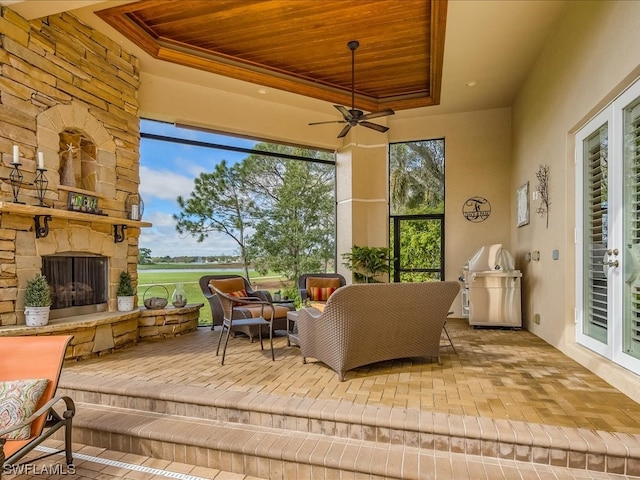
(608,231)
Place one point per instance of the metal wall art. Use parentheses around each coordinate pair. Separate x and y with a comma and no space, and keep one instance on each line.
(476,209)
(542,189)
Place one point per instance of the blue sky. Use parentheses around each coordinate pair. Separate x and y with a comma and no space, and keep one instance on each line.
(168,170)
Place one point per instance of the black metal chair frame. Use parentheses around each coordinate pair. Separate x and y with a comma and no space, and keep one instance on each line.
(228,303)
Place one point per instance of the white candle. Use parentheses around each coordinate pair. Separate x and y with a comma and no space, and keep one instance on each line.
(41,160)
(16,154)
(134,212)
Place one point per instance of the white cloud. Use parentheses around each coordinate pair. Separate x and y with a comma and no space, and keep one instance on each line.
(163,184)
(161,219)
(163,239)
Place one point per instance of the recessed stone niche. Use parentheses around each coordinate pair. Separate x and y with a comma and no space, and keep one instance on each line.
(78,167)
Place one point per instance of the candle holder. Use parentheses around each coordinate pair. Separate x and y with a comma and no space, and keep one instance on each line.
(41,184)
(15,177)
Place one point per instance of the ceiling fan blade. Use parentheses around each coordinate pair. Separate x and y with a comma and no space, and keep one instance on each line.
(331,121)
(345,130)
(374,126)
(381,113)
(345,112)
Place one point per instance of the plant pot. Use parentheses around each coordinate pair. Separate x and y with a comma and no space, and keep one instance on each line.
(125,304)
(36,316)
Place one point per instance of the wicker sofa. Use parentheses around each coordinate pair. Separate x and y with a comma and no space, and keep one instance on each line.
(367,323)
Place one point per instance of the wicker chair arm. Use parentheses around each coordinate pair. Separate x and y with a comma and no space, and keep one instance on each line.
(263,295)
(69,412)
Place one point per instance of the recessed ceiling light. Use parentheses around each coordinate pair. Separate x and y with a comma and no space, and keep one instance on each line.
(262,91)
(471,83)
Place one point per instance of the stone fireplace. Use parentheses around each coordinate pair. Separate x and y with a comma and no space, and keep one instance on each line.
(71,95)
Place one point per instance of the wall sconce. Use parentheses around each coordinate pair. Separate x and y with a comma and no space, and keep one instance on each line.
(134,206)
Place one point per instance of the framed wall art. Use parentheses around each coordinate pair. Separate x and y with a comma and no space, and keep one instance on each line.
(523,204)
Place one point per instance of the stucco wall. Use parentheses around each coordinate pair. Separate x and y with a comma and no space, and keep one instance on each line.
(478,163)
(591,55)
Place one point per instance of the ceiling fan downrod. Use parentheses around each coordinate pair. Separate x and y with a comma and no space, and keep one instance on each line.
(353,45)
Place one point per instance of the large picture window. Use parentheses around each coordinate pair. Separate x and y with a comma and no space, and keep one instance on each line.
(268,205)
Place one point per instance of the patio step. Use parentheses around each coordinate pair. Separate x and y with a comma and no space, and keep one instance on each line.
(248,449)
(234,414)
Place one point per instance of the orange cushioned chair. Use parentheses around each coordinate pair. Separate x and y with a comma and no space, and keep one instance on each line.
(237,286)
(235,300)
(318,287)
(29,372)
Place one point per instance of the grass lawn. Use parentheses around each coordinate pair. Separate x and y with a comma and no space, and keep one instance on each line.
(150,279)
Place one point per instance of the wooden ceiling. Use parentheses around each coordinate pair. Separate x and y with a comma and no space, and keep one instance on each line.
(300,46)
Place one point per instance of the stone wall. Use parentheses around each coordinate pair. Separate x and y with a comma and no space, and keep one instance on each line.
(103,333)
(59,80)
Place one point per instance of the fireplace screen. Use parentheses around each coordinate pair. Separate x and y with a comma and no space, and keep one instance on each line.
(76,281)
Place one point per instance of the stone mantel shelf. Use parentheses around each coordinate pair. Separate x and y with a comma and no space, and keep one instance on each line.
(33,211)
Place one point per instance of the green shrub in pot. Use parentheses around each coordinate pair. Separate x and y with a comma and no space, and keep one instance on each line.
(37,302)
(126,292)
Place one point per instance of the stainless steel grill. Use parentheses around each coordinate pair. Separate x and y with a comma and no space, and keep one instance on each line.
(491,293)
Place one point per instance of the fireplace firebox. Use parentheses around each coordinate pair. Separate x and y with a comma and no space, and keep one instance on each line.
(79,283)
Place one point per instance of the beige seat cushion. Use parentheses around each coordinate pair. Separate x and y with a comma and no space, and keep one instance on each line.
(280,311)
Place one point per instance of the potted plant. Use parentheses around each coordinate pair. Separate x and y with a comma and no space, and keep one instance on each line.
(276,296)
(367,262)
(37,302)
(125,293)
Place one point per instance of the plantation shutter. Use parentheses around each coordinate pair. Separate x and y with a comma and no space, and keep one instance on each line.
(596,233)
(631,189)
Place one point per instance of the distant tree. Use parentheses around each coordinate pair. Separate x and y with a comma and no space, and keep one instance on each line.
(219,202)
(294,211)
(417,177)
(144,255)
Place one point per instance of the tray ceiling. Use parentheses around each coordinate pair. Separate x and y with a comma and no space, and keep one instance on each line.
(301,46)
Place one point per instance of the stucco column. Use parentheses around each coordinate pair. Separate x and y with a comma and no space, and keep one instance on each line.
(362,212)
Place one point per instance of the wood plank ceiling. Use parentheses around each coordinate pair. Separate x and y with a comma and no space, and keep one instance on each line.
(301,45)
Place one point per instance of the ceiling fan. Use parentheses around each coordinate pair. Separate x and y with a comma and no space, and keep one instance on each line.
(353,116)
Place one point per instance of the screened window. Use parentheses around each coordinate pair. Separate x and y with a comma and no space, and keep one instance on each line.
(416,193)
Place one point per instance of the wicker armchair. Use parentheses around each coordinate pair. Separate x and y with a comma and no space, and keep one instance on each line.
(367,323)
(229,304)
(307,282)
(235,283)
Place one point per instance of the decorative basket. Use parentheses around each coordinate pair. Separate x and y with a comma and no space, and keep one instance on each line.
(155,303)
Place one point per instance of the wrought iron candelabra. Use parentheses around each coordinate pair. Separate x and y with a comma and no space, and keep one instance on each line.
(41,184)
(15,178)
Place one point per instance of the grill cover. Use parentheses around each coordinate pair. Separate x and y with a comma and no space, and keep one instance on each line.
(491,258)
